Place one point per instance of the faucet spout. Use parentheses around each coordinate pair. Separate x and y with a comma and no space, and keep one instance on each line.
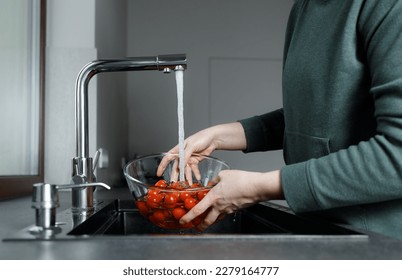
(159,63)
(82,163)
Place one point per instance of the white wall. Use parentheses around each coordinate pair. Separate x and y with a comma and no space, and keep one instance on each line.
(234,51)
(70,45)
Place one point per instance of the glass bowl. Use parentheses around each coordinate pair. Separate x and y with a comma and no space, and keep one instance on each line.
(163,200)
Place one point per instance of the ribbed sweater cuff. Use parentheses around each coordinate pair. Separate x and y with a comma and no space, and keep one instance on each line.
(297,189)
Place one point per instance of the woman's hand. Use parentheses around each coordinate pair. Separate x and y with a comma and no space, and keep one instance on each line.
(220,137)
(235,190)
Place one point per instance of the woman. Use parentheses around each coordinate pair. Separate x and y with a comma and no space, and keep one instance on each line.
(340,126)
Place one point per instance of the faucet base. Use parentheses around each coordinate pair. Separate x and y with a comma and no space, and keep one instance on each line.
(82,199)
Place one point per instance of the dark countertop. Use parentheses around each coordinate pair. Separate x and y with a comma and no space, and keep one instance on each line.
(17,214)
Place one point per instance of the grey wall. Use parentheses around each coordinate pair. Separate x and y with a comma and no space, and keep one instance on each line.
(112,120)
(234,51)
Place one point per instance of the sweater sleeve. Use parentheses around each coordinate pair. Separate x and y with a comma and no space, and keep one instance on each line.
(370,171)
(264,132)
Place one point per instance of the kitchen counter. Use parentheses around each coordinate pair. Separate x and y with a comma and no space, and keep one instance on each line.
(17,214)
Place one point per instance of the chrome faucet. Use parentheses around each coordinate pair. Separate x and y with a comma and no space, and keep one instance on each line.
(83,166)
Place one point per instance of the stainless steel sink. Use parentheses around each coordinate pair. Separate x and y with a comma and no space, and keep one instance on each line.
(120,219)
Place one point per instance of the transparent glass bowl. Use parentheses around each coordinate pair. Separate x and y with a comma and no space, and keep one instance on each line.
(163,200)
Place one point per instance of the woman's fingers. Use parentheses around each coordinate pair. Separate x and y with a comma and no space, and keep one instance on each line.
(206,207)
(197,210)
(195,170)
(191,165)
(164,163)
(188,174)
(174,174)
(212,216)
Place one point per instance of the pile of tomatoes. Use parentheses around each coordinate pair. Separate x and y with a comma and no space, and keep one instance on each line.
(165,203)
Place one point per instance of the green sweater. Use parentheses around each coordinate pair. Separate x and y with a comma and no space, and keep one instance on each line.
(341,122)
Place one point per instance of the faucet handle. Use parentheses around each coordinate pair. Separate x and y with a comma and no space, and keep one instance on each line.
(96,160)
(83,185)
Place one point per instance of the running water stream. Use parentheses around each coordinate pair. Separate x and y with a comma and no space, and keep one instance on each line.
(180,116)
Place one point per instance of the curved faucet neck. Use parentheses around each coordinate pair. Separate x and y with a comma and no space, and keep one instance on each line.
(159,63)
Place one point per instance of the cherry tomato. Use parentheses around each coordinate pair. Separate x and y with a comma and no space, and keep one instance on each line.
(196,185)
(158,216)
(197,220)
(176,194)
(161,184)
(167,213)
(170,200)
(157,219)
(190,202)
(142,207)
(188,225)
(178,213)
(153,193)
(176,185)
(184,196)
(154,201)
(202,194)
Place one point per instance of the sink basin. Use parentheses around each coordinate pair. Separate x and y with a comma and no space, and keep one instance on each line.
(121,219)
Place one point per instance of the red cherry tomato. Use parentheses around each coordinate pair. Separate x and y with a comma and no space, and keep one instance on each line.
(142,207)
(154,201)
(188,225)
(167,213)
(153,193)
(202,194)
(170,200)
(176,194)
(190,203)
(184,196)
(161,184)
(158,216)
(153,220)
(198,220)
(196,185)
(176,185)
(178,213)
